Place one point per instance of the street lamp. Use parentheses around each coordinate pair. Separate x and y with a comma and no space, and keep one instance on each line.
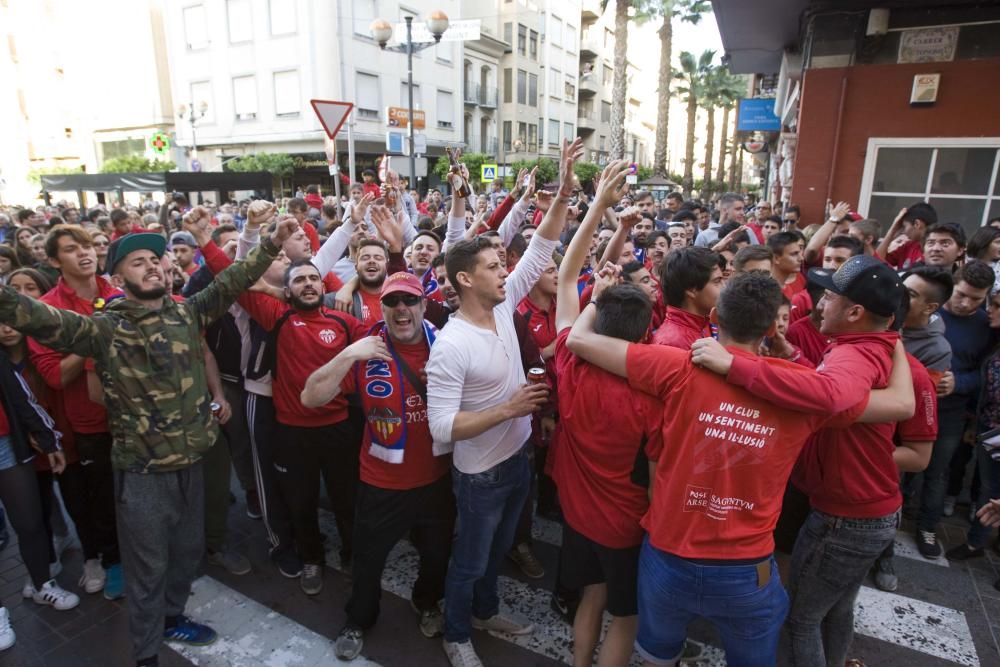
(382,32)
(192,115)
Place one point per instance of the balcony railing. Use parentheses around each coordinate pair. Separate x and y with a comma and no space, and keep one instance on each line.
(471,93)
(487,97)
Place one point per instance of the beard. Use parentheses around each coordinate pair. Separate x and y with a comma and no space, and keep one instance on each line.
(299,304)
(145,294)
(372,282)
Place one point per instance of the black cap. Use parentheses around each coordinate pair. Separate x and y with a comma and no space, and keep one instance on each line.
(866,281)
(129,243)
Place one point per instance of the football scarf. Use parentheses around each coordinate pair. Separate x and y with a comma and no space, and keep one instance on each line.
(380,385)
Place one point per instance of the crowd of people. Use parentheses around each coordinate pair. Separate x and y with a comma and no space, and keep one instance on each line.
(688,387)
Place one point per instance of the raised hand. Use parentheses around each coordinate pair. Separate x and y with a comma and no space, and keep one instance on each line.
(570,154)
(543,200)
(388,227)
(839,211)
(629,217)
(286,227)
(260,213)
(530,188)
(607,277)
(611,186)
(359,209)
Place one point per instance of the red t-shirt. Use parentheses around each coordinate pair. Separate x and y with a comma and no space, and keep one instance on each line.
(313,235)
(726,455)
(794,287)
(332,283)
(803,334)
(371,308)
(846,472)
(923,425)
(83,415)
(604,425)
(680,329)
(905,256)
(419,467)
(802,305)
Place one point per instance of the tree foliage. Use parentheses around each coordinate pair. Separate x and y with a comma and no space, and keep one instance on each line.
(473,162)
(585,173)
(548,170)
(35,175)
(280,165)
(136,164)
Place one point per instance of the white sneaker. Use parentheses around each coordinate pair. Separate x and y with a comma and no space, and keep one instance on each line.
(500,622)
(29,589)
(93,577)
(58,598)
(461,654)
(7,636)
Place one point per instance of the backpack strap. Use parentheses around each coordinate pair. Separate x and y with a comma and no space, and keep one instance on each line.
(270,359)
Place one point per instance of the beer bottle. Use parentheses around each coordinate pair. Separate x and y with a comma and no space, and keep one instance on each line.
(462,190)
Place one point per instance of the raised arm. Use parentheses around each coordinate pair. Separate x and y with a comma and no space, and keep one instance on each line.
(567,301)
(883,247)
(626,221)
(603,351)
(335,246)
(818,241)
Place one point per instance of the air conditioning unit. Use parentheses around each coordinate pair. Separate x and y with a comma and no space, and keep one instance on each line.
(246,116)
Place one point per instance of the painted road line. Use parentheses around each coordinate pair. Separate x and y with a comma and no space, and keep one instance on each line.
(914,624)
(252,635)
(921,626)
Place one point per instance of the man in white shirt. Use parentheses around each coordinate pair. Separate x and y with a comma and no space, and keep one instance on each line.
(478,399)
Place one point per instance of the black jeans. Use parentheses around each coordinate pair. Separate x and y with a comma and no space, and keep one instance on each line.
(304,454)
(385,516)
(95,516)
(20,495)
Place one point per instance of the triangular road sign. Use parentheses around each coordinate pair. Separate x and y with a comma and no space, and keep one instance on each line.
(331,114)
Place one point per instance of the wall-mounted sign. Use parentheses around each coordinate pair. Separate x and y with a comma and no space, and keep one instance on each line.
(928,45)
(399,117)
(925,88)
(160,143)
(757,115)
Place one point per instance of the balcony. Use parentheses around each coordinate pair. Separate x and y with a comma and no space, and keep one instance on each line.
(479,144)
(487,97)
(585,122)
(471,93)
(589,85)
(591,10)
(590,47)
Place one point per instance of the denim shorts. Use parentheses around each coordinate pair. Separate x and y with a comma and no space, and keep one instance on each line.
(7,458)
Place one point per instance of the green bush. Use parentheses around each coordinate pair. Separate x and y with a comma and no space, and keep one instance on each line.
(136,164)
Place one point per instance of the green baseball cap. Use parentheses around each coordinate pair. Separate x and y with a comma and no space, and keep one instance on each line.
(129,243)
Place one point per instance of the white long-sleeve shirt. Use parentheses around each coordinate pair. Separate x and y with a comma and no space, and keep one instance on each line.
(473,369)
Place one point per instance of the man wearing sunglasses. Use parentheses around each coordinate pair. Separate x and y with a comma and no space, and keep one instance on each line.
(405,486)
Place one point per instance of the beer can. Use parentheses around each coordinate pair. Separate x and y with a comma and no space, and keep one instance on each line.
(536,375)
(216,409)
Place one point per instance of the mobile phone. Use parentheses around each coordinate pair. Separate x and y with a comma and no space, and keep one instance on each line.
(631,179)
(526,182)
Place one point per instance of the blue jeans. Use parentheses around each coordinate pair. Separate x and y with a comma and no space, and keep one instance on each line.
(831,558)
(674,591)
(989,487)
(951,425)
(489,505)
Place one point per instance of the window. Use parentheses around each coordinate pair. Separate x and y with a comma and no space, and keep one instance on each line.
(607,76)
(508,85)
(554,79)
(570,36)
(508,33)
(522,40)
(282,16)
(569,88)
(555,32)
(522,134)
(122,148)
(506,135)
(533,45)
(201,91)
(404,96)
(445,109)
(367,95)
(602,142)
(240,21)
(364,14)
(541,130)
(522,87)
(532,90)
(195,27)
(245,97)
(568,133)
(553,133)
(958,177)
(287,98)
(605,112)
(532,138)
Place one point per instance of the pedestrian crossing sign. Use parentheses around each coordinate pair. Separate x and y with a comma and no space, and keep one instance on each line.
(489,173)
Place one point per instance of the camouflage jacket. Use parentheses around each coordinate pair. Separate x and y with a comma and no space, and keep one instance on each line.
(150,363)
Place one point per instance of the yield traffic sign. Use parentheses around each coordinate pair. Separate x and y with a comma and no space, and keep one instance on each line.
(488,172)
(331,114)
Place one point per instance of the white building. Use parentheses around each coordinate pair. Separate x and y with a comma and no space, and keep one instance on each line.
(257,63)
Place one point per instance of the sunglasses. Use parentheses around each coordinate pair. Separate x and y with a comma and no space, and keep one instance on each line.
(392,300)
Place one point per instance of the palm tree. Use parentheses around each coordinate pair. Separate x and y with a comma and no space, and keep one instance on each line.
(733,88)
(619,84)
(692,76)
(667,10)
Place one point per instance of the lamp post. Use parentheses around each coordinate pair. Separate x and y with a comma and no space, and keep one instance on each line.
(192,115)
(382,32)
